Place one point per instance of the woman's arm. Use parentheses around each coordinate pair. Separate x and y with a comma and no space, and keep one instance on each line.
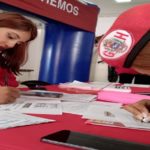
(8,94)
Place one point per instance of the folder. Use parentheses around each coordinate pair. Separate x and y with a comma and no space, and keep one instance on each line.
(120,97)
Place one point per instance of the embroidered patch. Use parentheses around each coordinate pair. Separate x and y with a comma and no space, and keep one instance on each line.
(115,44)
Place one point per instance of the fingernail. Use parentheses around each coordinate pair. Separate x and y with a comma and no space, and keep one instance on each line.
(147,119)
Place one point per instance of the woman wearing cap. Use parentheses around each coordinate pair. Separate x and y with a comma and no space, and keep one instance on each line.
(16,32)
(141,64)
(126,46)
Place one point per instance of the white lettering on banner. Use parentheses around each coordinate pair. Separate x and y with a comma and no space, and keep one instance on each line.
(63,5)
(53,3)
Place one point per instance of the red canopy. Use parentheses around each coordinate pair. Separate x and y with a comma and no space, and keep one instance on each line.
(69,12)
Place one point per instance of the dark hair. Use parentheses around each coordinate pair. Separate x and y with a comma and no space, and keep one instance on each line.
(98,38)
(13,58)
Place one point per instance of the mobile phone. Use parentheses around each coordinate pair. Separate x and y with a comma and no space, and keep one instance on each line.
(42,93)
(39,88)
(90,142)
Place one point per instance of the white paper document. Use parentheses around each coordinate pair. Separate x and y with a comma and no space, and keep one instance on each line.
(78,97)
(96,86)
(26,105)
(13,119)
(111,114)
(78,108)
(40,105)
(85,86)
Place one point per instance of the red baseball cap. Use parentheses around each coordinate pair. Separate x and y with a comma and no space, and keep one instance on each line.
(127,36)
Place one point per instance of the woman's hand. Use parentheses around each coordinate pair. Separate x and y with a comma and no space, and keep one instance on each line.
(8,94)
(140,110)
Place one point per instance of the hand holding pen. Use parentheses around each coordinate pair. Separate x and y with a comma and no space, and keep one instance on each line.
(8,94)
(140,110)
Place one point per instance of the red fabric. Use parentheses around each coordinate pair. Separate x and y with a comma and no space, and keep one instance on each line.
(9,76)
(140,90)
(28,137)
(120,70)
(128,29)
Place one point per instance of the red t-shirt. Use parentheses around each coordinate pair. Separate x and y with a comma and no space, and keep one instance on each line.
(9,77)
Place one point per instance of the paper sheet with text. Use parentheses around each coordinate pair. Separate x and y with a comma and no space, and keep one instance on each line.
(10,119)
(27,105)
(111,114)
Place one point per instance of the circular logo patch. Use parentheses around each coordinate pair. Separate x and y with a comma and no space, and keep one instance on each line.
(115,44)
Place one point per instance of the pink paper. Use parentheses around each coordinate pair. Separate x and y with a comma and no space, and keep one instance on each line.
(120,97)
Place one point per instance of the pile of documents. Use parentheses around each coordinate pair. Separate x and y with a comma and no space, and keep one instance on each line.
(43,105)
(111,114)
(35,102)
(95,112)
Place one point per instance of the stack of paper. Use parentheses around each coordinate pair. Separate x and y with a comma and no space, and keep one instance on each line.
(47,95)
(40,105)
(94,86)
(26,105)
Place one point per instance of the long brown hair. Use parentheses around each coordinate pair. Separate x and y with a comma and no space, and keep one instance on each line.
(13,58)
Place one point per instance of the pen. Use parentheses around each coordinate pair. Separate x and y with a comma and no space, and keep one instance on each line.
(5,79)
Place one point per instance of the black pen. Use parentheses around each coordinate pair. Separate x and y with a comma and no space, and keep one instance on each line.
(5,80)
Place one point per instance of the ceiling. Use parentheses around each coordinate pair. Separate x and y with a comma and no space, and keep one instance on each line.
(109,8)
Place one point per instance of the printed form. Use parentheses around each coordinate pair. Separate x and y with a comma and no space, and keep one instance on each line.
(27,105)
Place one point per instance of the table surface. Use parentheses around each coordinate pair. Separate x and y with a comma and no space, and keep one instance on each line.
(28,137)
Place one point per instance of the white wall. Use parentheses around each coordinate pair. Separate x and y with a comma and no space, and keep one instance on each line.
(99,71)
(103,24)
(34,53)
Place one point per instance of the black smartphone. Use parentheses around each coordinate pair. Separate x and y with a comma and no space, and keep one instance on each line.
(90,142)
(39,88)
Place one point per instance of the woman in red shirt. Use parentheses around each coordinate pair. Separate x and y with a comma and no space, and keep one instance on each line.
(16,32)
(126,46)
